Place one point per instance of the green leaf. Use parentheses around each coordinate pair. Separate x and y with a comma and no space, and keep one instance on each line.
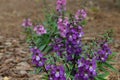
(84,22)
(104,75)
(42,47)
(112,55)
(109,66)
(102,69)
(48,49)
(99,78)
(45,77)
(38,40)
(38,70)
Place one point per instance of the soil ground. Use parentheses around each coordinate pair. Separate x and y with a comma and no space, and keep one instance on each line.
(102,15)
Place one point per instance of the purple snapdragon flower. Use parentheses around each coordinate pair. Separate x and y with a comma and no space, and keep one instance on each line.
(73,41)
(62,25)
(93,67)
(81,62)
(86,69)
(61,5)
(27,23)
(80,15)
(103,53)
(57,73)
(58,46)
(37,57)
(39,29)
(106,48)
(72,45)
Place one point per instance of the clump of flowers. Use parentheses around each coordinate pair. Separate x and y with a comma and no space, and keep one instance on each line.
(37,57)
(61,6)
(39,29)
(57,73)
(104,52)
(80,15)
(58,48)
(27,23)
(86,69)
(62,23)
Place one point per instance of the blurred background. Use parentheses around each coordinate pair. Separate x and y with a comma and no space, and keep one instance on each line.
(102,15)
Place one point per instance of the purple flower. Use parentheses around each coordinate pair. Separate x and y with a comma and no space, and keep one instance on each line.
(103,53)
(80,15)
(106,48)
(58,46)
(81,62)
(86,69)
(57,73)
(48,67)
(62,25)
(37,57)
(93,67)
(73,41)
(61,5)
(39,29)
(27,23)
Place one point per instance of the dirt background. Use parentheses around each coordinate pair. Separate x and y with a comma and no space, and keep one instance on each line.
(14,65)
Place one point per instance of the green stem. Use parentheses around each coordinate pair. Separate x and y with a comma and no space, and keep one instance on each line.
(45,70)
(74,62)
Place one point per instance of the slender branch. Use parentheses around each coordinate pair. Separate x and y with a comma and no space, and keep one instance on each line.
(45,70)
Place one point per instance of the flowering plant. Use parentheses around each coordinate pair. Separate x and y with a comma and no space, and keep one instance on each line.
(59,50)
